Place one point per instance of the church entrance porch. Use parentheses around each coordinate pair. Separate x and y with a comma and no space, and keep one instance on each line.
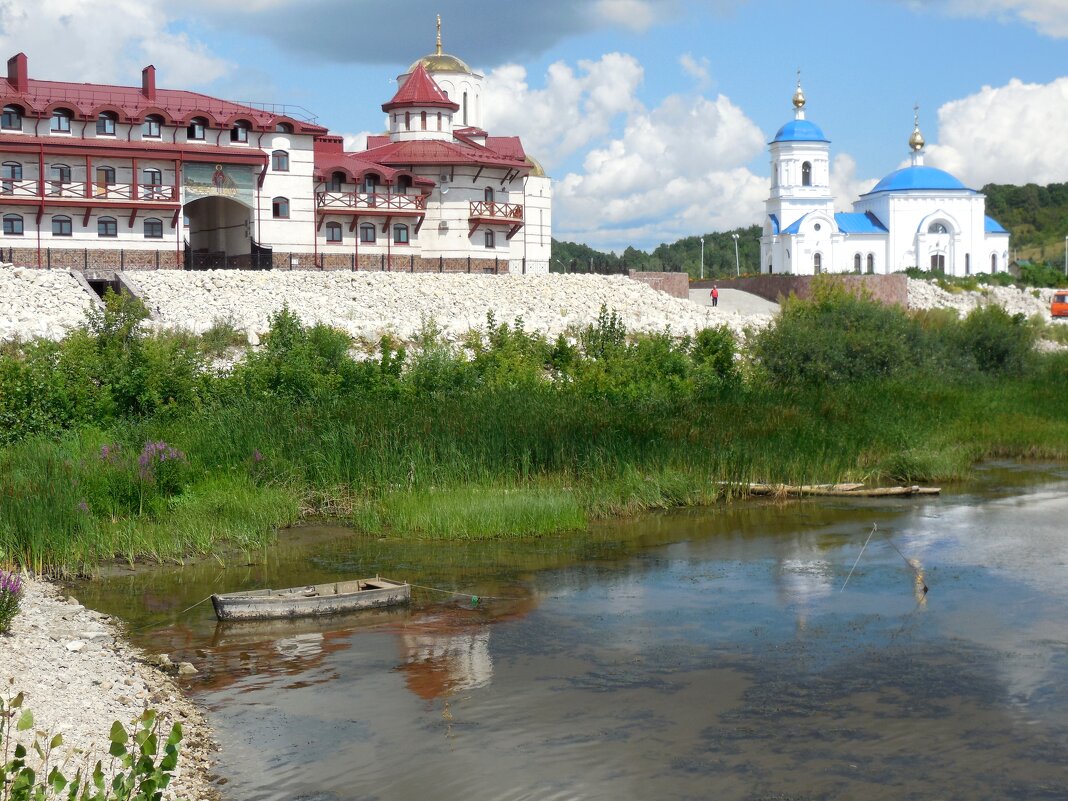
(219,236)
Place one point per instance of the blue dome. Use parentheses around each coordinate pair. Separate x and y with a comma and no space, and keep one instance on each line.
(800,131)
(920,178)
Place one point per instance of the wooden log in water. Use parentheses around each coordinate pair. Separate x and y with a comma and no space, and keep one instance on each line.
(838,490)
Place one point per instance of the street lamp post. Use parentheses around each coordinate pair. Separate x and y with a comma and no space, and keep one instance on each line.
(737,265)
(703,257)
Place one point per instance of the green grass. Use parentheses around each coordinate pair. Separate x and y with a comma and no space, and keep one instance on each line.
(473,513)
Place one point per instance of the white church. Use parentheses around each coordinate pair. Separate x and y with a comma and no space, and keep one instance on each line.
(917,216)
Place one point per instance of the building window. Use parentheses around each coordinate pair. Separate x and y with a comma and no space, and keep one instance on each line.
(871,264)
(937,228)
(423,120)
(196,128)
(283,127)
(856,263)
(106,226)
(60,176)
(12,225)
(239,133)
(967,263)
(367,233)
(153,228)
(806,174)
(407,120)
(10,172)
(370,184)
(993,262)
(336,180)
(12,120)
(61,121)
(491,239)
(105,124)
(61,226)
(487,195)
(333,232)
(439,120)
(105,177)
(280,208)
(465,108)
(817,263)
(151,128)
(280,161)
(153,183)
(938,263)
(400,234)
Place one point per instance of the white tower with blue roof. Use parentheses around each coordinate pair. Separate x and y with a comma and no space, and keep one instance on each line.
(800,190)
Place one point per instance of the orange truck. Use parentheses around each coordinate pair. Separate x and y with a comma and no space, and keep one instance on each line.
(1058,307)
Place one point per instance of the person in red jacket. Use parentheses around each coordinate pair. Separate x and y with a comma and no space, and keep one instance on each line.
(715,295)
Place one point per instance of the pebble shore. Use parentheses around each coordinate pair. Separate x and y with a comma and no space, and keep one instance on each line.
(78,675)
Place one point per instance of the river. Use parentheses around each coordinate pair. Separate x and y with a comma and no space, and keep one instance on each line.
(754,652)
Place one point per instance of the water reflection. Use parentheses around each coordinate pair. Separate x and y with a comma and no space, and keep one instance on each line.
(694,655)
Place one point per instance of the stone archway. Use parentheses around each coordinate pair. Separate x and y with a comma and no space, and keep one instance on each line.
(219,234)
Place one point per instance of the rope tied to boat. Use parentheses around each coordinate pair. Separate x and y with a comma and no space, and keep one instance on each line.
(176,615)
(475,599)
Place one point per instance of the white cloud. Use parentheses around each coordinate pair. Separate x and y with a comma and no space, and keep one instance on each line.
(356,142)
(573,110)
(1007,134)
(845,184)
(674,171)
(698,69)
(104,41)
(1049,17)
(638,15)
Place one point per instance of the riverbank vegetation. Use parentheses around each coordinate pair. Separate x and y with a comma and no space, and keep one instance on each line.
(119,443)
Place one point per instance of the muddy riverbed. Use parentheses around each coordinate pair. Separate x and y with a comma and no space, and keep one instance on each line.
(702,654)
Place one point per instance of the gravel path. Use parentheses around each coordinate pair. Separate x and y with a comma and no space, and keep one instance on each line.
(79,676)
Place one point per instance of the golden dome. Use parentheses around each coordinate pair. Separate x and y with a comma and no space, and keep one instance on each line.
(799,95)
(441,62)
(916,141)
(536,170)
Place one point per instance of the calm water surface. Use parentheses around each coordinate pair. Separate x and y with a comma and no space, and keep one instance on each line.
(697,655)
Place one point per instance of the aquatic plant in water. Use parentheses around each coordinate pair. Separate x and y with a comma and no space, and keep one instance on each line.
(10,598)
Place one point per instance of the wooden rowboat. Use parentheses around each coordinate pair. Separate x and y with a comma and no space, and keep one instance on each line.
(311,601)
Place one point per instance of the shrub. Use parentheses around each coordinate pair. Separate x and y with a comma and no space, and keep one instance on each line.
(836,337)
(137,772)
(997,342)
(10,598)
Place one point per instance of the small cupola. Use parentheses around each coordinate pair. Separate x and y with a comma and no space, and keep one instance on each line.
(916,140)
(420,109)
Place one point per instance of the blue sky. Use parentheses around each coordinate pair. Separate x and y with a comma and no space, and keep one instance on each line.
(655,120)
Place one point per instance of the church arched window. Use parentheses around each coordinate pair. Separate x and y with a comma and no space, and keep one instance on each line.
(817,263)
(993,262)
(937,228)
(871,263)
(856,263)
(806,174)
(967,263)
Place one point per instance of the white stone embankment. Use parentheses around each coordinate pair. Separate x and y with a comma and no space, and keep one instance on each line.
(1015,300)
(40,303)
(368,304)
(78,676)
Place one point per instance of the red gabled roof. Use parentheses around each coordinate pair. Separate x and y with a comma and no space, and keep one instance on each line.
(133,103)
(433,151)
(419,91)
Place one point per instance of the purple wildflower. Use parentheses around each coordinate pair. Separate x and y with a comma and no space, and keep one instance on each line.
(156,452)
(83,507)
(109,453)
(257,457)
(10,597)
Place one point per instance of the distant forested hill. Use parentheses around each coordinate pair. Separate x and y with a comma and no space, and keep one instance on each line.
(1037,217)
(683,255)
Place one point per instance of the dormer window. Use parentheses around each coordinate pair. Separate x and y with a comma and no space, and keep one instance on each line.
(196,128)
(60,121)
(12,120)
(105,124)
(336,180)
(152,128)
(239,133)
(283,127)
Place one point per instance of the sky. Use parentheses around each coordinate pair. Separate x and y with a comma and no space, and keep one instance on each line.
(651,116)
